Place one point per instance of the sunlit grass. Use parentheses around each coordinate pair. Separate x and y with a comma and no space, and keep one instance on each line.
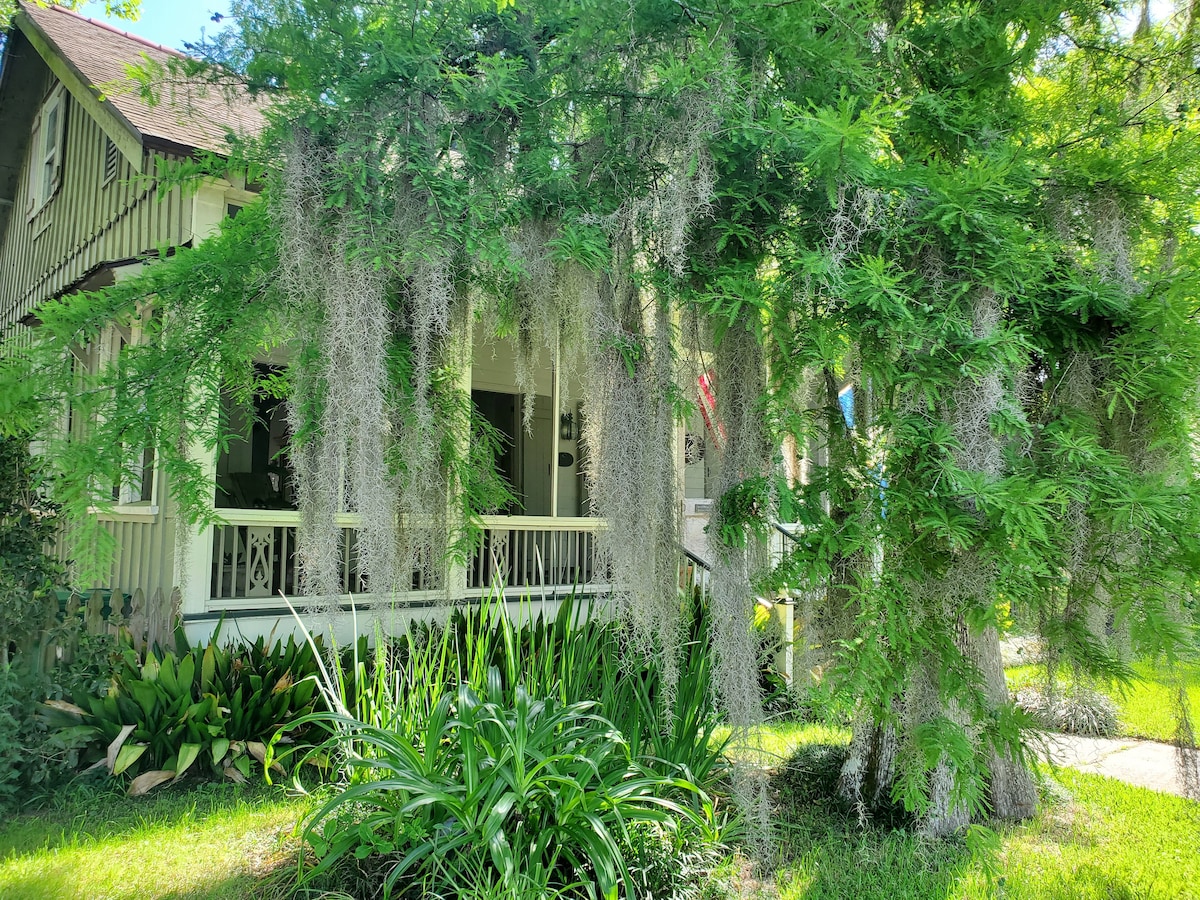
(1108,840)
(1095,838)
(776,742)
(214,842)
(1147,706)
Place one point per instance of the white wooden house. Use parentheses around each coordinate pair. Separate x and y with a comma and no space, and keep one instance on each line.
(78,210)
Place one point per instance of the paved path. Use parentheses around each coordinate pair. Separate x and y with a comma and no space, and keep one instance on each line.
(1144,763)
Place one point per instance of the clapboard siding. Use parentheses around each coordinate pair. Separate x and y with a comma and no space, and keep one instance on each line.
(144,558)
(86,223)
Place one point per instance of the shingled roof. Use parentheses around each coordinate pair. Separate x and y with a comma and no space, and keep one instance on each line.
(187,115)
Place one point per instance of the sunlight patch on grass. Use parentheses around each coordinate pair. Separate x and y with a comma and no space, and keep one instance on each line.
(1109,840)
(779,741)
(1146,705)
(212,843)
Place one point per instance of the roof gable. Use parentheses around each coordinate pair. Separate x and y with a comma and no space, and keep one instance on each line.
(94,55)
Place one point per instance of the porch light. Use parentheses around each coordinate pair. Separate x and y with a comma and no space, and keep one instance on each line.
(566,427)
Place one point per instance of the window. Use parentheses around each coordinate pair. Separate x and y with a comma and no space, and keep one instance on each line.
(137,483)
(46,150)
(112,158)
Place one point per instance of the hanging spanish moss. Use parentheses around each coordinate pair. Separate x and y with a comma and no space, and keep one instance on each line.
(740,561)
(683,191)
(318,458)
(424,425)
(368,439)
(632,479)
(540,312)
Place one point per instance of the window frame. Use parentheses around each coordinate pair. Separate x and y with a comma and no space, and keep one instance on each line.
(46,150)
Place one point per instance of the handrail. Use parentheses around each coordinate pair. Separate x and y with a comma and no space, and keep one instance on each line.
(707,567)
(788,534)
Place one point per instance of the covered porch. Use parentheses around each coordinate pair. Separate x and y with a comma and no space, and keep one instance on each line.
(543,545)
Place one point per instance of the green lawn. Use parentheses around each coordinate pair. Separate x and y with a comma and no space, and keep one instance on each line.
(1147,705)
(213,841)
(1095,839)
(1101,840)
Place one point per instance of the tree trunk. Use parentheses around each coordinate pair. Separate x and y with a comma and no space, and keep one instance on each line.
(871,767)
(1011,791)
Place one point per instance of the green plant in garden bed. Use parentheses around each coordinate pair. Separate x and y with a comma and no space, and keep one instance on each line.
(568,657)
(535,797)
(167,710)
(493,756)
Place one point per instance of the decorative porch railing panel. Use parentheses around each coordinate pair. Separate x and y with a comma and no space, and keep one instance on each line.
(532,552)
(254,556)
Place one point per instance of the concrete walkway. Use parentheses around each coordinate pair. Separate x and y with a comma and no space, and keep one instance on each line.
(1146,764)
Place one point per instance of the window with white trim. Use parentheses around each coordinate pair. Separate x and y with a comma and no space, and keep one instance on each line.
(136,485)
(46,150)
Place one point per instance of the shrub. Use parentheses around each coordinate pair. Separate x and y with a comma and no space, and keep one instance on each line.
(28,575)
(489,757)
(167,710)
(570,657)
(1078,710)
(534,797)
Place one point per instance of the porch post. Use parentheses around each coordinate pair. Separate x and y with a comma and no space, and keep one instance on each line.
(193,552)
(555,419)
(192,555)
(456,575)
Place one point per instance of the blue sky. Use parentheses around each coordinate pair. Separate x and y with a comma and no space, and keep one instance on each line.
(167,22)
(171,22)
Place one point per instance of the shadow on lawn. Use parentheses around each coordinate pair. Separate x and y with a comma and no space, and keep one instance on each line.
(825,852)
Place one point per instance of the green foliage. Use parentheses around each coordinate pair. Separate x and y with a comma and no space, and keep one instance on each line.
(166,710)
(32,628)
(495,755)
(531,797)
(28,576)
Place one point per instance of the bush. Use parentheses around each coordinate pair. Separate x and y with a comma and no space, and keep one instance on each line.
(534,797)
(529,759)
(1078,710)
(166,710)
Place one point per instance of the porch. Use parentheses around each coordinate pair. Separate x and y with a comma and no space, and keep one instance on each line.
(253,559)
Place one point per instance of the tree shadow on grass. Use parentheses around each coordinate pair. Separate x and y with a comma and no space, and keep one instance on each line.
(826,852)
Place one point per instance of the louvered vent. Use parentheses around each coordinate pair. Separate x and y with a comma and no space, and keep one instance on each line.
(111,158)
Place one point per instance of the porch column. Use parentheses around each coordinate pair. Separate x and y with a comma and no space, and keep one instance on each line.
(555,419)
(456,575)
(193,552)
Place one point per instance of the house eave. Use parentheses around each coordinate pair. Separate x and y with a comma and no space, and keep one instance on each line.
(118,128)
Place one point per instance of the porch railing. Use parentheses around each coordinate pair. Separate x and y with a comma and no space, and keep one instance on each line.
(534,552)
(254,556)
